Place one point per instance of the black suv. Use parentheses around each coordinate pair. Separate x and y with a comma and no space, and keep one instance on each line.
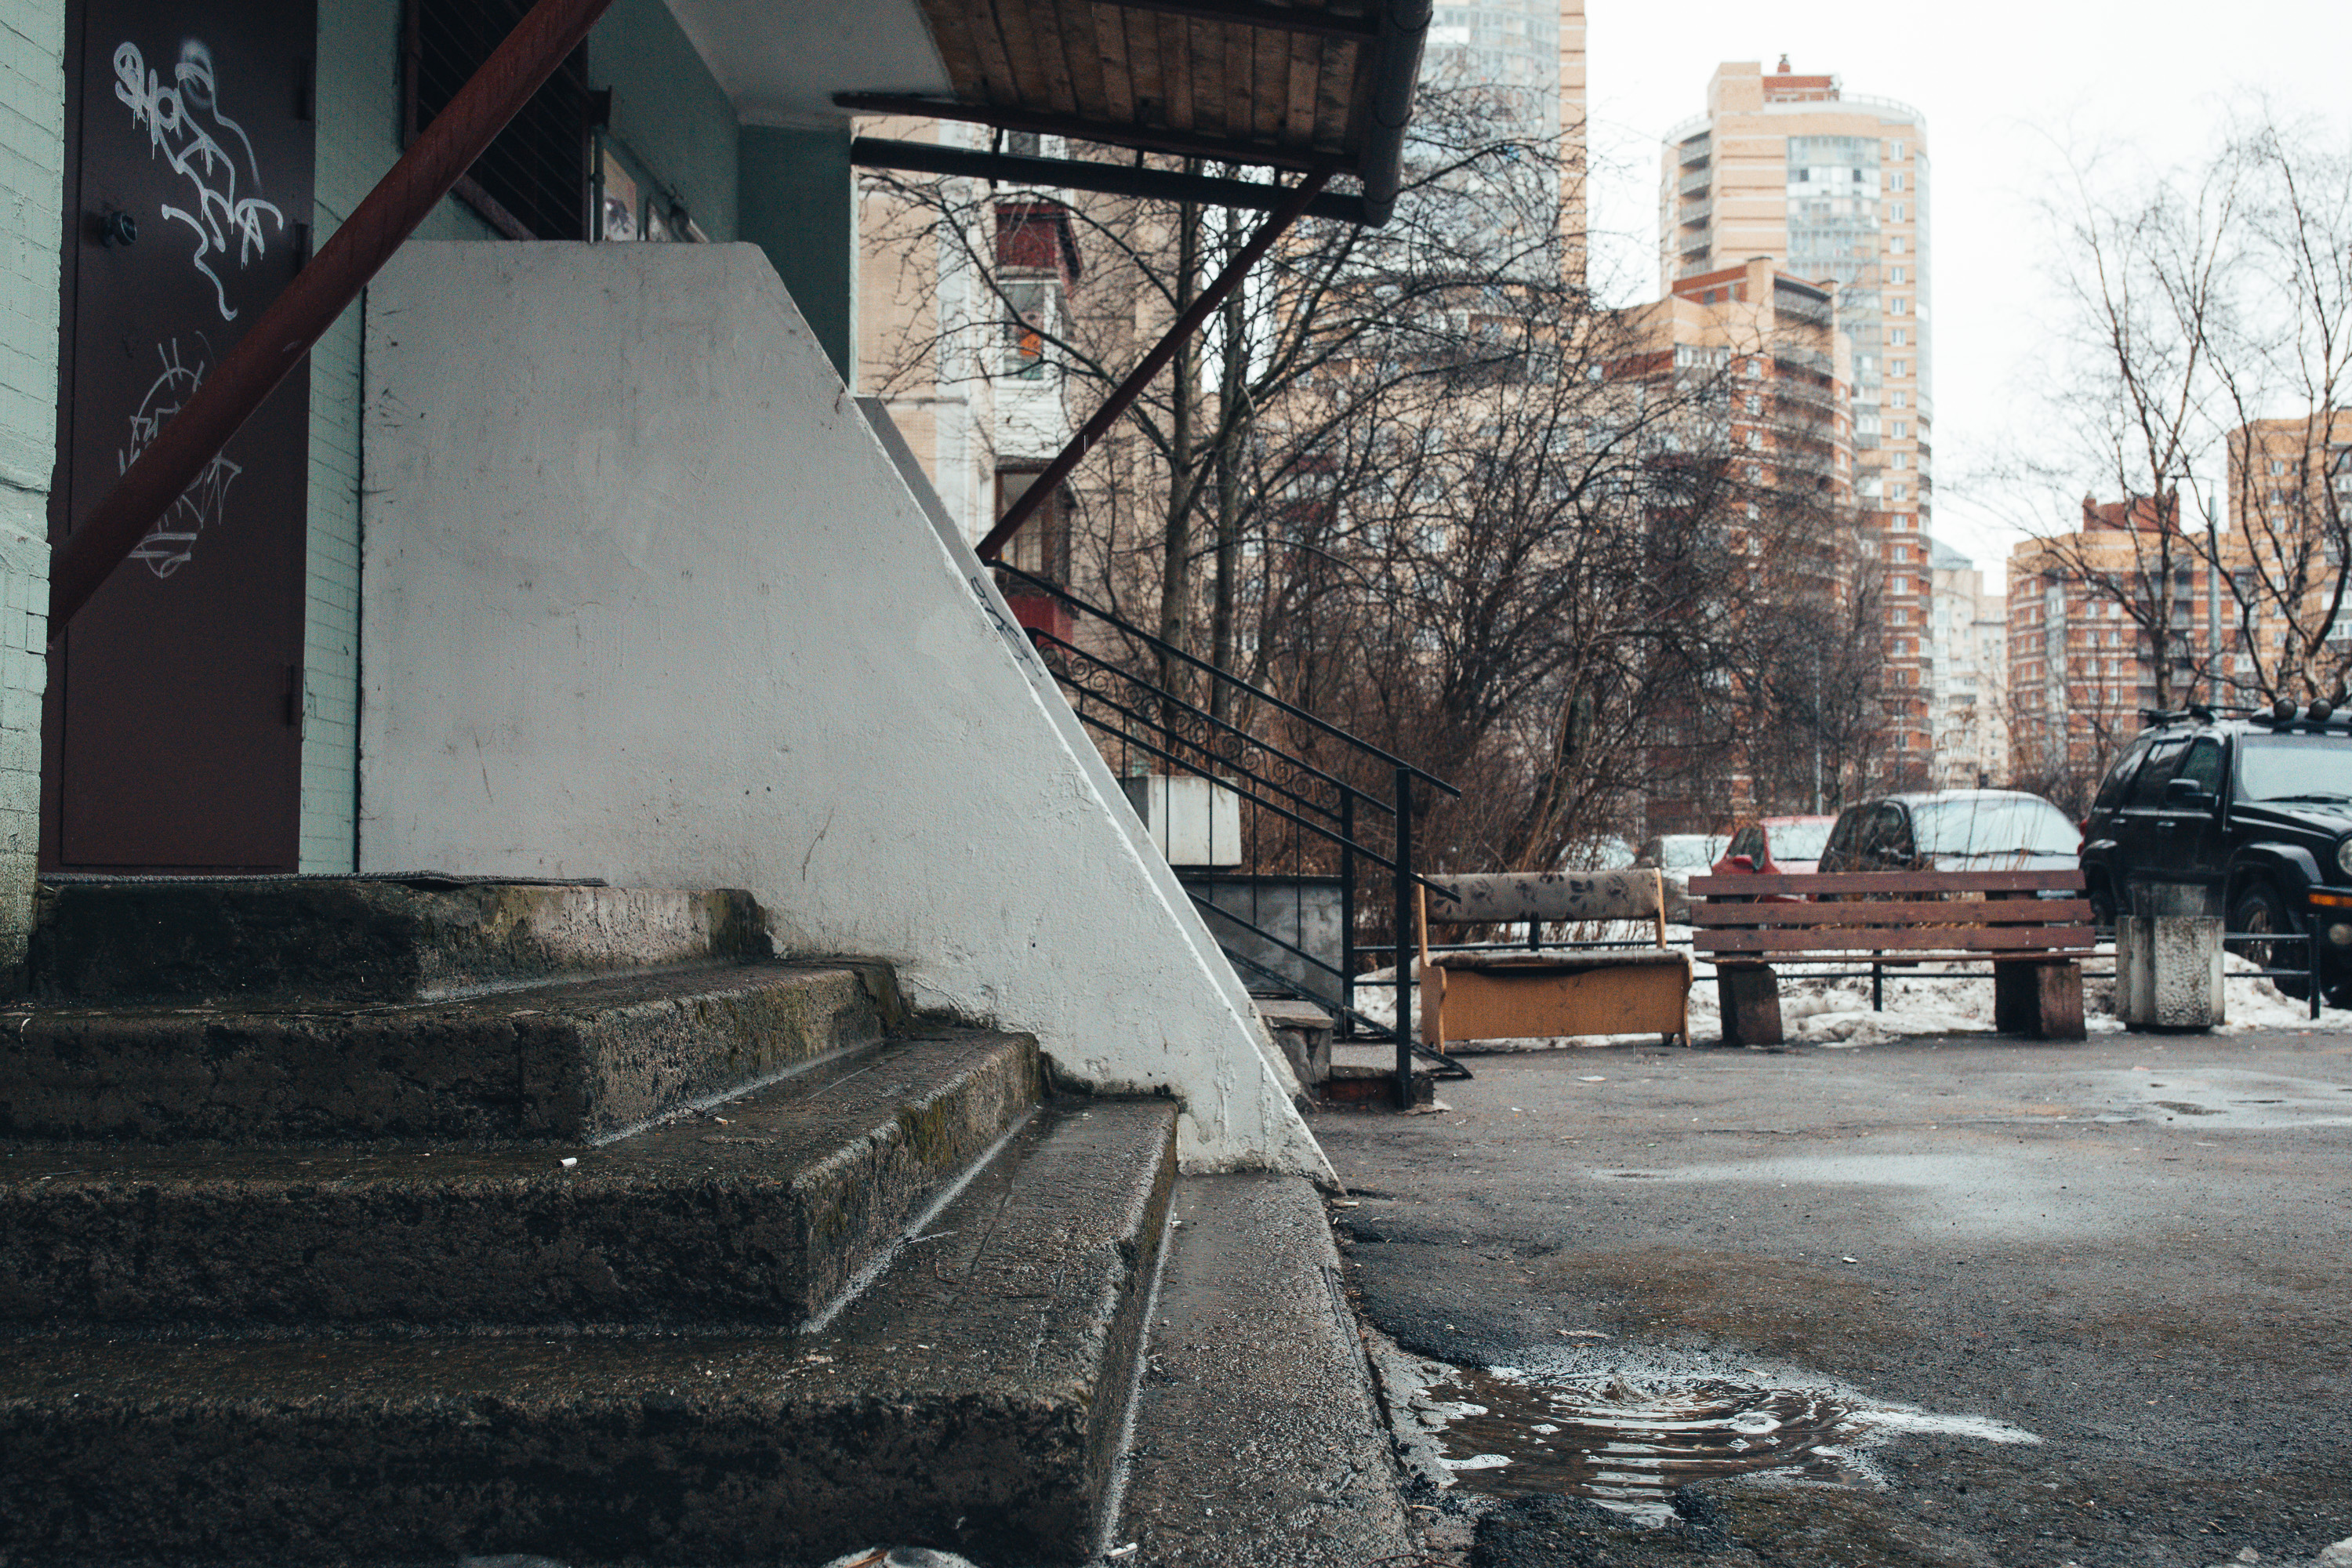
(2258,808)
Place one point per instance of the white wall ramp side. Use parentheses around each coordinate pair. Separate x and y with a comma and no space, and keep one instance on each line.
(646,598)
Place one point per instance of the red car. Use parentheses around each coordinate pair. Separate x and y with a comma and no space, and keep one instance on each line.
(1776,846)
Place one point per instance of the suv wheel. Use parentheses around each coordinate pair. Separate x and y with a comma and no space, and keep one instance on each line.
(2261,910)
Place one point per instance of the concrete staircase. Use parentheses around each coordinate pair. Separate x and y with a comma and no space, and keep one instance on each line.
(395,1221)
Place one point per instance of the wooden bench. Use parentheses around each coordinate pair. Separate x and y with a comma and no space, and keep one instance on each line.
(2036,944)
(1631,987)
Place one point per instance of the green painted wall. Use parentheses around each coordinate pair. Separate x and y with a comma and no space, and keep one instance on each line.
(32,187)
(798,203)
(668,113)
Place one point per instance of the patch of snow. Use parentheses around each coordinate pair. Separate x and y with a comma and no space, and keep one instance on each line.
(1920,999)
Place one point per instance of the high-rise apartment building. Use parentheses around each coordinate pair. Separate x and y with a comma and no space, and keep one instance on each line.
(1531,51)
(1970,695)
(1755,359)
(1834,187)
(1530,54)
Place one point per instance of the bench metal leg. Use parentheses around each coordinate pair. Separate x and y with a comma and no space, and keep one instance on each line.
(1750,998)
(2043,1000)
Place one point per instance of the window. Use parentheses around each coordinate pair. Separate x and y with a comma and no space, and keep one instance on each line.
(1898,616)
(1894,246)
(1898,306)
(1895,211)
(1899,398)
(2147,789)
(533,182)
(1897,336)
(2278,465)
(1024,143)
(1042,548)
(1895,180)
(1898,367)
(1898,430)
(1030,307)
(1895,275)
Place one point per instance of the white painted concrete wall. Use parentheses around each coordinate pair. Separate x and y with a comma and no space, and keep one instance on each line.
(647,599)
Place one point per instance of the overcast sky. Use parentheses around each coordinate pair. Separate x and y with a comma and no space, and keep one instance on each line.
(2008,88)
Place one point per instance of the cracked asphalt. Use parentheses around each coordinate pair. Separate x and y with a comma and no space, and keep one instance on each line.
(2137,1247)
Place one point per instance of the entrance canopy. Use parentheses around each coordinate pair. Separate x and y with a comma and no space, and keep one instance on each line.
(1314,85)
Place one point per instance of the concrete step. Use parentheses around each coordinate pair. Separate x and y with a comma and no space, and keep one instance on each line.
(757,1213)
(247,941)
(1257,1438)
(968,1400)
(565,1062)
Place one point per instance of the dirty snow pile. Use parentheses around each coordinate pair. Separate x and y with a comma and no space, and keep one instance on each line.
(1919,999)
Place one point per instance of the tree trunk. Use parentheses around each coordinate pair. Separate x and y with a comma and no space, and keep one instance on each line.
(1233,435)
(1176,538)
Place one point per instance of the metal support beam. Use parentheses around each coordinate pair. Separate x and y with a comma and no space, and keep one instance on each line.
(1080,174)
(319,293)
(1148,138)
(1127,391)
(1251,14)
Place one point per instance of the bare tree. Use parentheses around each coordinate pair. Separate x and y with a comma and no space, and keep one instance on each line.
(2211,316)
(1415,481)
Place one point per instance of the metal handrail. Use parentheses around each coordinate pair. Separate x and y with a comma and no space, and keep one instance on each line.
(1057,591)
(1046,638)
(1196,741)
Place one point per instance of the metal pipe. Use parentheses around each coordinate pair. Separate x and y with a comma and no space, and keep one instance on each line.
(319,293)
(1249,14)
(1077,128)
(1405,26)
(1127,391)
(1405,885)
(1083,174)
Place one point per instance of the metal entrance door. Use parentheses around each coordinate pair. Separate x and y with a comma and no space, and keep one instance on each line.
(173,738)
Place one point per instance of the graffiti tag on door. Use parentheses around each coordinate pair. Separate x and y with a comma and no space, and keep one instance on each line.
(185,125)
(173,540)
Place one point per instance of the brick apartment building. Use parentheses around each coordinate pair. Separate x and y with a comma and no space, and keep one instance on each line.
(1832,186)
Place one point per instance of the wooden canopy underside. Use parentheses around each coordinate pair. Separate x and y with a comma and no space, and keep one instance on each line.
(1300,96)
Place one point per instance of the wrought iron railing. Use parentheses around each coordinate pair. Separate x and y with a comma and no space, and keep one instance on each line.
(1275,806)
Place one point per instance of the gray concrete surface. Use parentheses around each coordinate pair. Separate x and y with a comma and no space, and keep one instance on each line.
(2139,1248)
(1256,1441)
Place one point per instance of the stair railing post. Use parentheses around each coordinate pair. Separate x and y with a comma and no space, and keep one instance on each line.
(1403,970)
(1347,900)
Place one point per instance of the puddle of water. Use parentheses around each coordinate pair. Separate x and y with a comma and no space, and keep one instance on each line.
(1628,1436)
(1620,1441)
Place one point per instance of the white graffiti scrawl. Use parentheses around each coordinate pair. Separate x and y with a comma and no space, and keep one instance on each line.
(176,118)
(173,540)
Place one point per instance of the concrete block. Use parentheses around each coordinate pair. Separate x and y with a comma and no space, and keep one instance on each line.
(2168,971)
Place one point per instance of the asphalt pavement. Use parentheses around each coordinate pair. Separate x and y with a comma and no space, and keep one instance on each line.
(2132,1255)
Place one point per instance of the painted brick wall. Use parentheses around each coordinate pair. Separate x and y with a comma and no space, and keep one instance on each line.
(32,159)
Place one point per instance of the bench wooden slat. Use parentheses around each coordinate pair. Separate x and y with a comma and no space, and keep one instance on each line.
(1942,912)
(1815,882)
(1959,938)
